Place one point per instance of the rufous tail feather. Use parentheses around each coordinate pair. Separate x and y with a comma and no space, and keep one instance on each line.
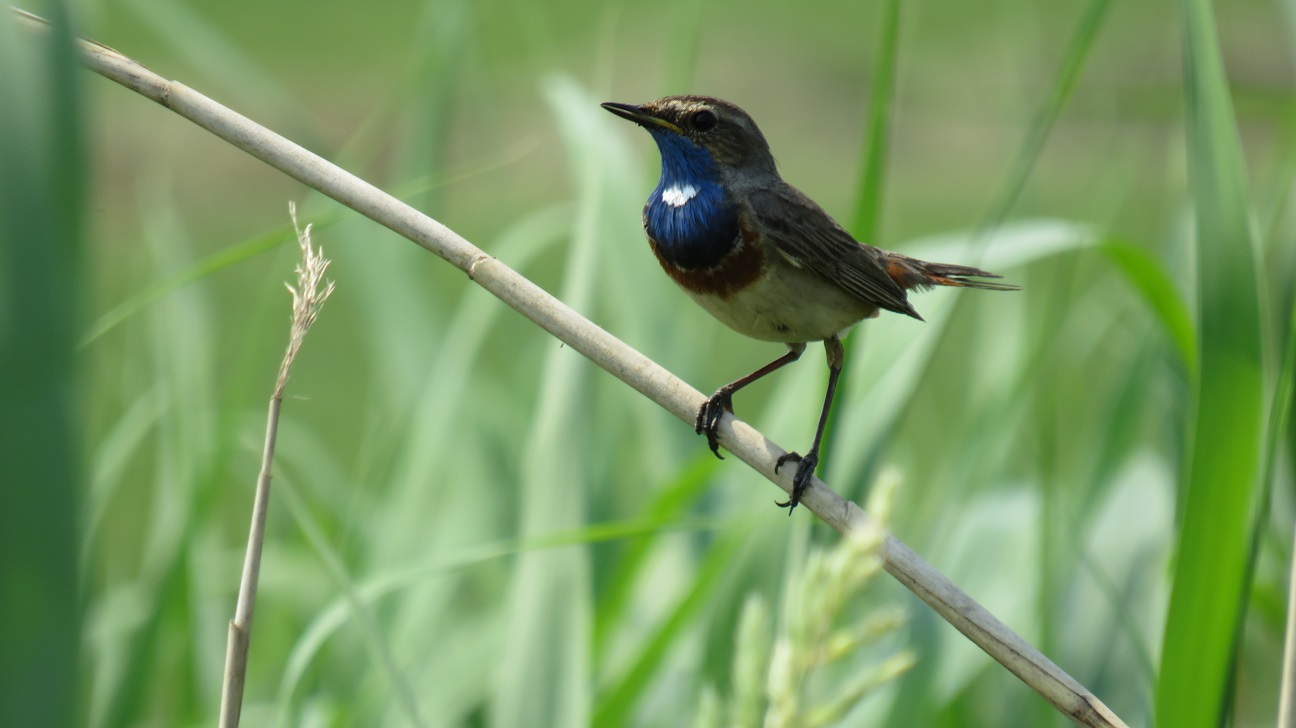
(913,273)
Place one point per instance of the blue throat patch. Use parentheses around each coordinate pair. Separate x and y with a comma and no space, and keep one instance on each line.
(688,215)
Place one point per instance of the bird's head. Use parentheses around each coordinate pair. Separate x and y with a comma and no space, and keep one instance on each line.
(683,126)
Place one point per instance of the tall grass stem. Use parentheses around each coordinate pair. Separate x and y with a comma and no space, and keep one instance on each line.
(307,297)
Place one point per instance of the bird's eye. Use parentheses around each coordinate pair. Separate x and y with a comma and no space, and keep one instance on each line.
(705,120)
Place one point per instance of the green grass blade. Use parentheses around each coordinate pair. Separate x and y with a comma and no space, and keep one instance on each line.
(868,210)
(896,357)
(670,504)
(546,667)
(191,274)
(1209,589)
(273,238)
(1149,278)
(1068,74)
(868,206)
(186,453)
(681,58)
(358,600)
(615,707)
(401,691)
(41,198)
(1279,417)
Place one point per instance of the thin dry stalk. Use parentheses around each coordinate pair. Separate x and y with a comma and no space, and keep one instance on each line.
(749,445)
(307,299)
(1287,695)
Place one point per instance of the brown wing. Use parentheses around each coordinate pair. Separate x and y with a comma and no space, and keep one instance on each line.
(809,238)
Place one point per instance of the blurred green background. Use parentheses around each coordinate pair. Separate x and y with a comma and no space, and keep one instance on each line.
(471,525)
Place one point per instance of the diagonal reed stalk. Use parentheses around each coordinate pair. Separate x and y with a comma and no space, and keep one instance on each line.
(653,381)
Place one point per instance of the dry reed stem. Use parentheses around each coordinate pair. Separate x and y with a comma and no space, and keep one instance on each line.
(307,298)
(1287,689)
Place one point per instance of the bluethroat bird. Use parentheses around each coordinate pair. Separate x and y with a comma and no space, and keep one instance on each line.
(762,257)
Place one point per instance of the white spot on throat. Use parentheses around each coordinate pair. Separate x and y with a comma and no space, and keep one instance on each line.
(676,196)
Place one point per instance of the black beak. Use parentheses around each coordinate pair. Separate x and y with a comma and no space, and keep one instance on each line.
(640,116)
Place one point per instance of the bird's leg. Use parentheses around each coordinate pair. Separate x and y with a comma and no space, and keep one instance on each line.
(709,414)
(806,464)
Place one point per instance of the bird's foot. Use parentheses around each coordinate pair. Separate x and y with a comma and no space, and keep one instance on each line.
(709,414)
(801,481)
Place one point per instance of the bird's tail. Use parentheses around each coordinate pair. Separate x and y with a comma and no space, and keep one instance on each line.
(913,273)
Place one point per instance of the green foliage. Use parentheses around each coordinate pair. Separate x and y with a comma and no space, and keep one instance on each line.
(784,676)
(42,201)
(470,525)
(780,676)
(1208,599)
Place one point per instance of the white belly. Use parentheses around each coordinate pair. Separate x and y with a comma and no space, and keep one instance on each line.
(795,306)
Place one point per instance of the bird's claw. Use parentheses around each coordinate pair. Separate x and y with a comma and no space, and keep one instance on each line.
(800,481)
(795,457)
(708,417)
